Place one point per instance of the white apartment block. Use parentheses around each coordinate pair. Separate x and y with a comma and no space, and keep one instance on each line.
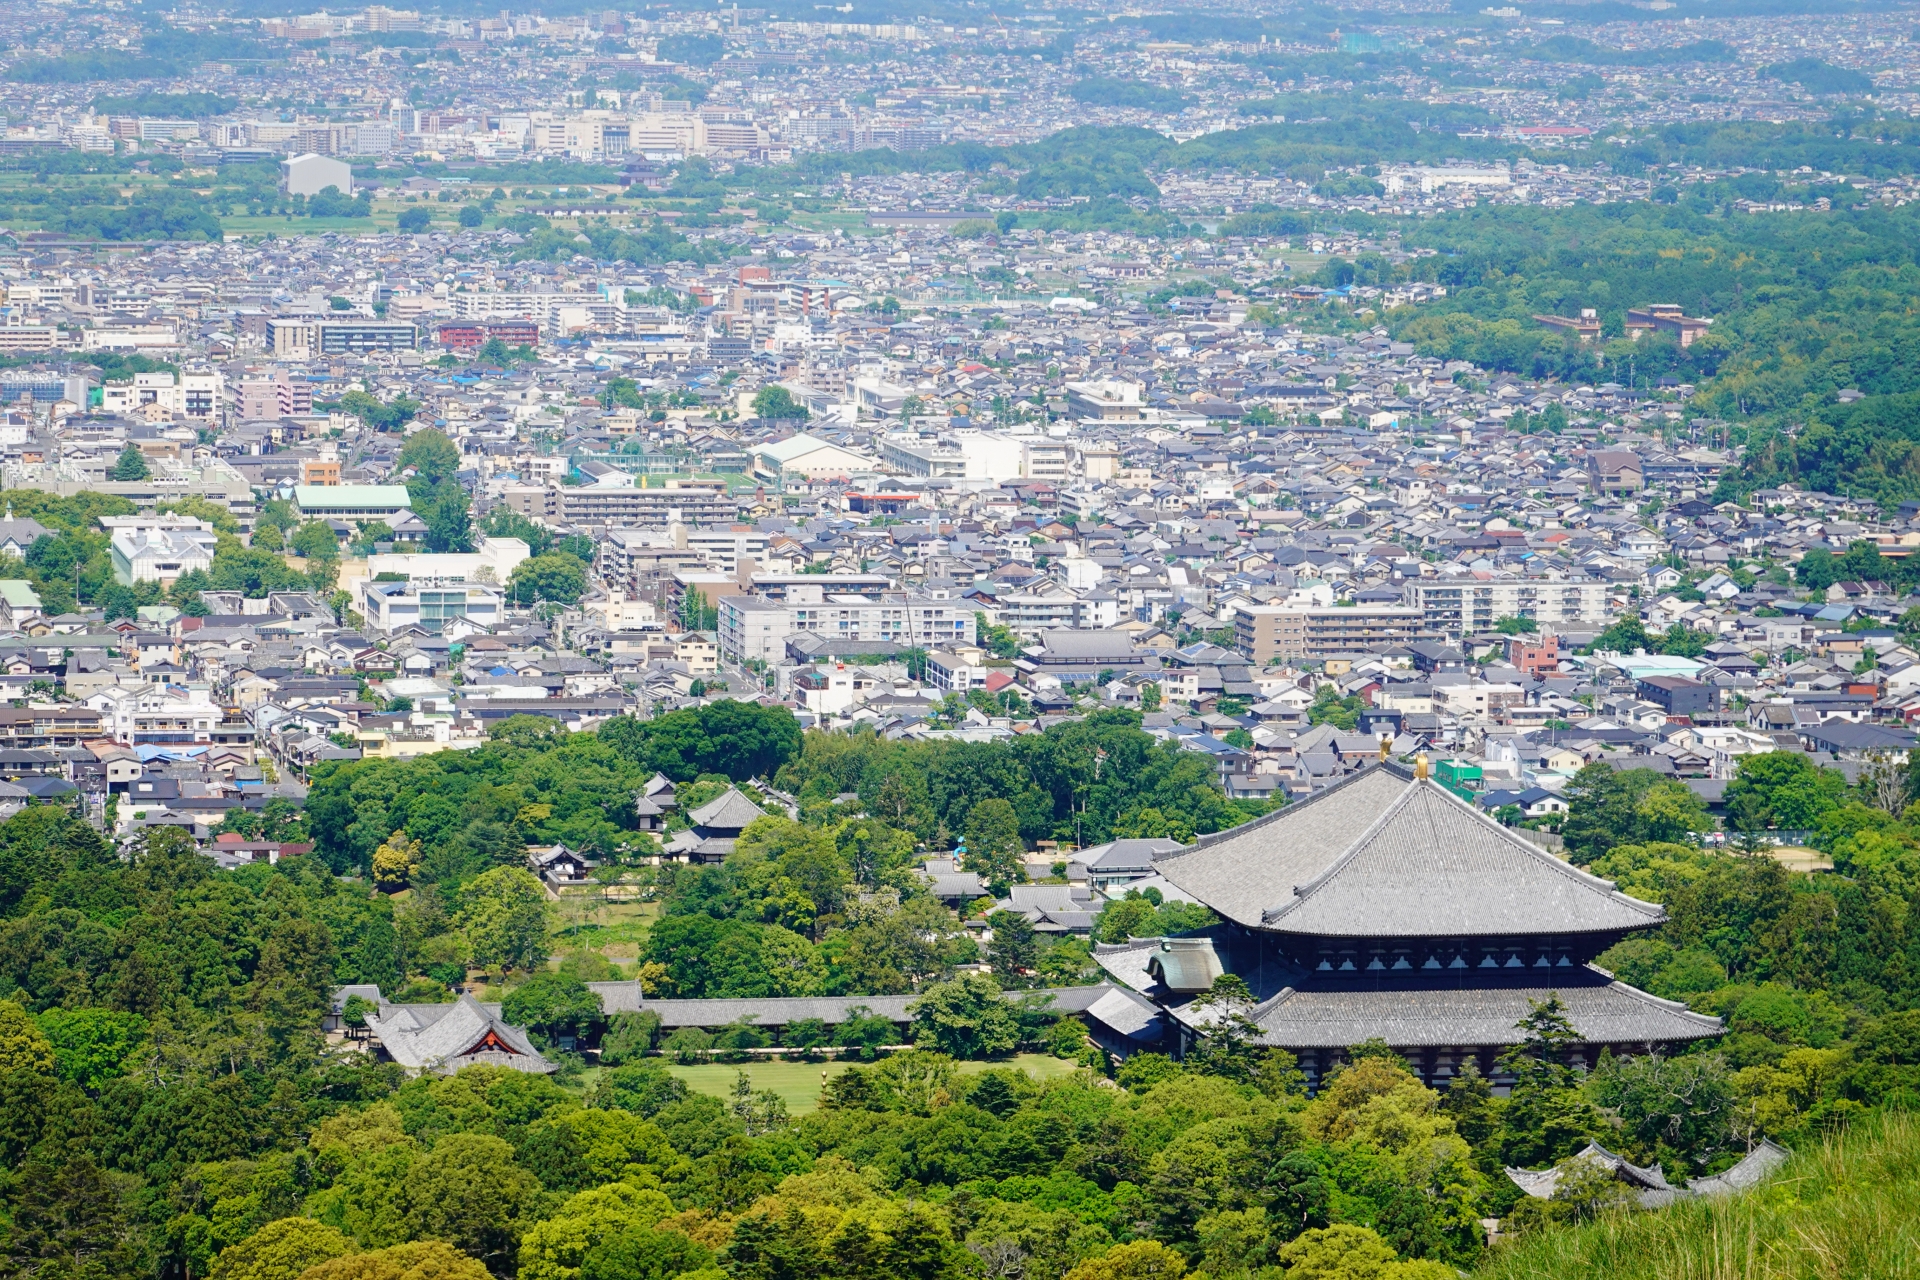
(191,394)
(1027,616)
(156,714)
(725,548)
(1459,606)
(753,628)
(978,455)
(1478,700)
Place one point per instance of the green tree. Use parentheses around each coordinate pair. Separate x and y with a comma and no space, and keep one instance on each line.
(469,1191)
(1626,635)
(1545,1117)
(1229,1047)
(130,465)
(315,540)
(281,1250)
(993,846)
(996,639)
(503,914)
(644,1088)
(415,1260)
(553,1004)
(92,1046)
(414,221)
(628,1037)
(740,740)
(23,1045)
(777,402)
(1014,951)
(1681,641)
(966,1018)
(641,1253)
(696,612)
(556,576)
(555,1248)
(1608,807)
(1679,1104)
(430,455)
(1782,789)
(381,416)
(1139,1260)
(471,217)
(69,1218)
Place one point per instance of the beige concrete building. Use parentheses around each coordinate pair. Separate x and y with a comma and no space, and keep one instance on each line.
(1279,631)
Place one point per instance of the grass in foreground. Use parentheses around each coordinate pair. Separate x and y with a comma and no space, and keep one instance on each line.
(799,1083)
(1848,1209)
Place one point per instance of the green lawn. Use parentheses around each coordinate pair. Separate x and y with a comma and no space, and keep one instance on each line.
(799,1083)
(616,930)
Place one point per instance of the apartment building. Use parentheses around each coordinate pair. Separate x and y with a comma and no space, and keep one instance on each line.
(690,504)
(278,396)
(1478,700)
(65,725)
(295,338)
(156,714)
(754,628)
(1454,608)
(1107,400)
(643,562)
(968,454)
(189,394)
(1031,615)
(1263,632)
(957,672)
(468,336)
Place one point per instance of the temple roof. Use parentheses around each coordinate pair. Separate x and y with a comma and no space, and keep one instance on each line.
(729,811)
(1614,1013)
(1384,854)
(446,1037)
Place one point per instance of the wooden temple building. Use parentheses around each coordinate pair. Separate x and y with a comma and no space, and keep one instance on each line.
(1387,908)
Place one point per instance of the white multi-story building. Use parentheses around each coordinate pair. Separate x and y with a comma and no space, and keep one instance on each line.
(1460,605)
(157,548)
(1028,615)
(1478,700)
(389,606)
(970,454)
(136,338)
(754,628)
(193,393)
(157,714)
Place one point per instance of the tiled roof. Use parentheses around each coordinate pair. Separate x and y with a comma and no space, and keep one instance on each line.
(446,1037)
(1126,1012)
(728,811)
(1610,1013)
(1385,855)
